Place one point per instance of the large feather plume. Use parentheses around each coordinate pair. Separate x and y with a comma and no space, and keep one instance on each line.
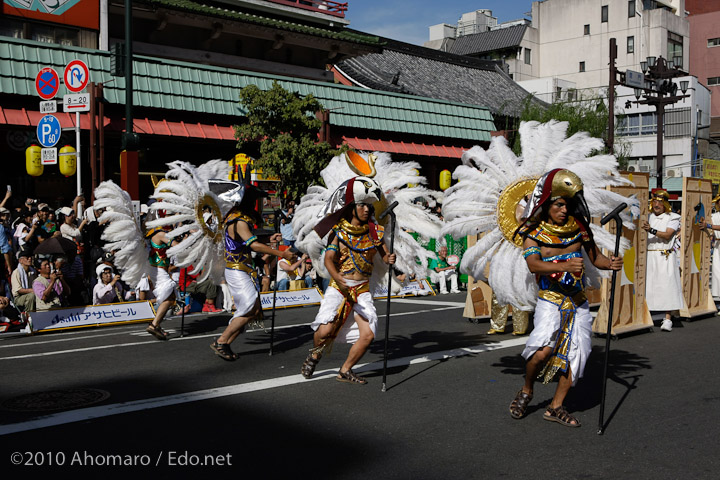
(470,205)
(123,233)
(393,178)
(179,196)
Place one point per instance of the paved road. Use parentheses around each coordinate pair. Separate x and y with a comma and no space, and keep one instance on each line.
(444,414)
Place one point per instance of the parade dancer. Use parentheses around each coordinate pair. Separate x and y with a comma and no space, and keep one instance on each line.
(561,340)
(663,289)
(340,233)
(491,185)
(240,273)
(714,226)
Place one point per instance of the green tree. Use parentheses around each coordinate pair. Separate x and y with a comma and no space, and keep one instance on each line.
(583,115)
(281,132)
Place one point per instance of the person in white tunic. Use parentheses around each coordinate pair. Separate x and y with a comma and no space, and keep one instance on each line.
(663,290)
(714,229)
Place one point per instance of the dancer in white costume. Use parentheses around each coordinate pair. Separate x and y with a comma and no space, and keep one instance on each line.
(490,186)
(663,290)
(337,228)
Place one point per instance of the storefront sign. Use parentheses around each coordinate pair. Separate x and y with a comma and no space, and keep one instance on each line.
(711,170)
(78,13)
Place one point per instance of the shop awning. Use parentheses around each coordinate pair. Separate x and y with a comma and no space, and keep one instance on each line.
(407,148)
(29,118)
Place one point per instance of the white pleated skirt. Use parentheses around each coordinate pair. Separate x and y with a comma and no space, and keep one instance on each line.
(244,291)
(331,303)
(545,332)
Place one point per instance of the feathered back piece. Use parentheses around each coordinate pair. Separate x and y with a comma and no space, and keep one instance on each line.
(123,234)
(182,199)
(493,184)
(392,178)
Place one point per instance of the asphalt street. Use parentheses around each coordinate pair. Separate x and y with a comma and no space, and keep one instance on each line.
(175,410)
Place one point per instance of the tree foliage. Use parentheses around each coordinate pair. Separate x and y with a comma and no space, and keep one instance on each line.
(281,133)
(584,115)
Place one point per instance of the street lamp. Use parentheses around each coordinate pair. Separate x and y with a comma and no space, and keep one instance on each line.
(660,91)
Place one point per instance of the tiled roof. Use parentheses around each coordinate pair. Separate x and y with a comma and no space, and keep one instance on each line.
(488,41)
(189,6)
(188,87)
(425,72)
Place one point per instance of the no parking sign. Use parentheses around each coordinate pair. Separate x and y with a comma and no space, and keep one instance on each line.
(47,83)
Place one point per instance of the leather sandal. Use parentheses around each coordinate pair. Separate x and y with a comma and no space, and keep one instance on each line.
(308,366)
(224,351)
(157,332)
(561,416)
(350,377)
(519,404)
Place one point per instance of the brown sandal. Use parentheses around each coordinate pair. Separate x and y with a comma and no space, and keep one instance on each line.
(157,332)
(224,351)
(350,377)
(561,416)
(308,366)
(519,404)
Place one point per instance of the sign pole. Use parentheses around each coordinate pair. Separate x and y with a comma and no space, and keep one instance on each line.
(78,163)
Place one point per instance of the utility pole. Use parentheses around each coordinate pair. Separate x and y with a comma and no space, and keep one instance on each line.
(130,140)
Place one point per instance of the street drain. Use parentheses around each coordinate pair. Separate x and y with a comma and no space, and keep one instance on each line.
(55,400)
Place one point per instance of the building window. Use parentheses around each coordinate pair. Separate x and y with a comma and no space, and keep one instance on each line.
(713,81)
(630,44)
(582,66)
(713,42)
(604,14)
(631,8)
(528,57)
(674,46)
(586,30)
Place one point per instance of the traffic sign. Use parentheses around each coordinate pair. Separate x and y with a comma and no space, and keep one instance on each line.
(48,131)
(76,75)
(47,83)
(49,106)
(76,102)
(48,156)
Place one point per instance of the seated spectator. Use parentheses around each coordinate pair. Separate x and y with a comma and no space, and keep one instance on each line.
(22,282)
(109,288)
(50,286)
(296,271)
(10,318)
(206,290)
(441,272)
(74,274)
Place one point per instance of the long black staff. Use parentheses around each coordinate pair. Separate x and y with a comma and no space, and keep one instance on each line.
(388,211)
(183,303)
(272,321)
(614,215)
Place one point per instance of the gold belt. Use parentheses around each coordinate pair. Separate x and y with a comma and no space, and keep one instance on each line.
(568,312)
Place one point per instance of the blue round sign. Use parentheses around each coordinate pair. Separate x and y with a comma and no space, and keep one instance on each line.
(48,131)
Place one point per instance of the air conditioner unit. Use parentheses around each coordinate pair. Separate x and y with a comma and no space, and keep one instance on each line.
(631,169)
(644,168)
(670,173)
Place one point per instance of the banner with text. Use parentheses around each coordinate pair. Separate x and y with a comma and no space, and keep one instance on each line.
(413,288)
(711,170)
(291,298)
(91,315)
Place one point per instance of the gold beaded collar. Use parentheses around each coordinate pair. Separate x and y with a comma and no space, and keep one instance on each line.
(352,229)
(569,229)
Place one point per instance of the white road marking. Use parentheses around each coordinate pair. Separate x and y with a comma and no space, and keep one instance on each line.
(142,333)
(84,414)
(428,302)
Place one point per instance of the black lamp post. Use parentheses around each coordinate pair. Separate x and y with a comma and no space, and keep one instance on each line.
(659,90)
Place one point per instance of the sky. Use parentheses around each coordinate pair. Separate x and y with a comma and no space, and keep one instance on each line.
(408,20)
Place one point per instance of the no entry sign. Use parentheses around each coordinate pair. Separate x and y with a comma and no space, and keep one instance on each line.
(47,83)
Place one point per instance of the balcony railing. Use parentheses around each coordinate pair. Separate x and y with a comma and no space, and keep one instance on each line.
(327,7)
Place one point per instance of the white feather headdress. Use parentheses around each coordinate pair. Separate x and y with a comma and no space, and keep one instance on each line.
(487,177)
(182,196)
(123,233)
(394,179)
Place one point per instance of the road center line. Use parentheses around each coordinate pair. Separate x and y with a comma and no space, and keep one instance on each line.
(84,414)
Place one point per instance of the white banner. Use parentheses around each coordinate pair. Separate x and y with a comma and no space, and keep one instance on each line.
(413,288)
(91,315)
(291,298)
